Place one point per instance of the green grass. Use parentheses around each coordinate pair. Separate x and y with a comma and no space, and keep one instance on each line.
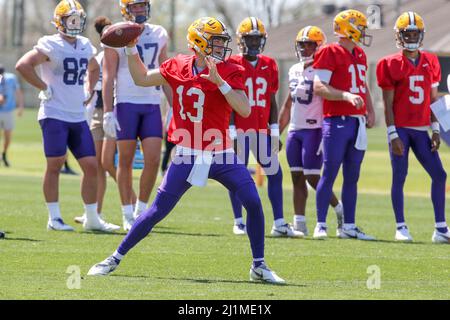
(194,255)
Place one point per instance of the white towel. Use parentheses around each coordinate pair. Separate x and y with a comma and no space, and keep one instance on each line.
(361,140)
(441,109)
(200,170)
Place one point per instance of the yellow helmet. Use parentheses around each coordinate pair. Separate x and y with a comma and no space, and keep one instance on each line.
(202,33)
(309,34)
(249,29)
(407,22)
(352,24)
(127,13)
(69,18)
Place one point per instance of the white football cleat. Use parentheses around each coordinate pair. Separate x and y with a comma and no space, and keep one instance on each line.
(320,232)
(81,219)
(100,225)
(104,268)
(439,237)
(58,225)
(240,229)
(127,222)
(402,234)
(301,227)
(264,274)
(286,230)
(355,233)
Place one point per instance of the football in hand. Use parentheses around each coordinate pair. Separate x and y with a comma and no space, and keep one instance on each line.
(120,34)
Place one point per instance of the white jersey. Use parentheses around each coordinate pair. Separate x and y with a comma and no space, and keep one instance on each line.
(64,73)
(151,41)
(99,58)
(307,108)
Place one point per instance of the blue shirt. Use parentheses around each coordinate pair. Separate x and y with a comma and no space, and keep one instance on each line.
(8,87)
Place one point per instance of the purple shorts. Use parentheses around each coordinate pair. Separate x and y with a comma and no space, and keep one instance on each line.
(302,150)
(138,121)
(58,135)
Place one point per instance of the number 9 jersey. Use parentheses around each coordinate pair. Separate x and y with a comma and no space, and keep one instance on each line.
(64,73)
(412,86)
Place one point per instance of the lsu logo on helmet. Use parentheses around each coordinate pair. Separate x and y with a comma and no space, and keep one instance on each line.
(352,24)
(309,34)
(69,18)
(131,13)
(209,37)
(251,36)
(409,31)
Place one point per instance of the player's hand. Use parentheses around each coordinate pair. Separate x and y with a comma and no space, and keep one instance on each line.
(397,147)
(370,119)
(133,42)
(110,124)
(435,141)
(46,94)
(354,99)
(213,75)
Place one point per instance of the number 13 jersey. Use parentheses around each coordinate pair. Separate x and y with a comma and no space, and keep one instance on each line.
(64,73)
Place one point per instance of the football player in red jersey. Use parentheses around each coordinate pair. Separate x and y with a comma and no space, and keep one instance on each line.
(206,89)
(341,81)
(261,83)
(409,80)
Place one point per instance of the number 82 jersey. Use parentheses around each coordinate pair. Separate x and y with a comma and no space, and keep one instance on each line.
(412,86)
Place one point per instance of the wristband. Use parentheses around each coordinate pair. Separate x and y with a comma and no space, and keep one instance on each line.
(392,133)
(346,96)
(131,51)
(274,130)
(435,127)
(225,88)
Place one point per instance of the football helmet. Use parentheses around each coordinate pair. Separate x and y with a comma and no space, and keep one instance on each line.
(202,35)
(309,34)
(129,15)
(251,36)
(352,24)
(69,18)
(409,31)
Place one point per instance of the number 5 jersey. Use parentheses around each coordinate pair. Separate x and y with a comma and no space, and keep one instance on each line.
(64,73)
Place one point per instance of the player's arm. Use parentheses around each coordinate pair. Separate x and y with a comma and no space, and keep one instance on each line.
(370,109)
(435,136)
(92,78)
(285,113)
(20,101)
(396,143)
(323,89)
(26,67)
(166,88)
(110,66)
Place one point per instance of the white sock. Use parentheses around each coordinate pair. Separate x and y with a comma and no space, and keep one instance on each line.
(322,225)
(117,255)
(91,211)
(53,210)
(139,207)
(348,226)
(279,222)
(299,218)
(339,208)
(238,221)
(401,224)
(127,210)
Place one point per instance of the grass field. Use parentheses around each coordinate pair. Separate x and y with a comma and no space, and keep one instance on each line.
(194,255)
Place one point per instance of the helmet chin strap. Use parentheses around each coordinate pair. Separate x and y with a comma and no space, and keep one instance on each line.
(140,19)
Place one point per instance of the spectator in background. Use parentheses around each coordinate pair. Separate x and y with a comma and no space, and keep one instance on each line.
(11,97)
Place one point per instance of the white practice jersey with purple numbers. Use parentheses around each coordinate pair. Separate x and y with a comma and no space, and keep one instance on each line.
(307,108)
(151,41)
(64,73)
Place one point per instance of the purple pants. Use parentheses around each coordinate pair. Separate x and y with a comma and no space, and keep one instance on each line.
(420,143)
(234,177)
(261,145)
(58,135)
(138,121)
(339,136)
(302,151)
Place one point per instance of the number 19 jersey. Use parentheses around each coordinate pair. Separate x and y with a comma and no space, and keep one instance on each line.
(307,108)
(64,73)
(412,86)
(199,108)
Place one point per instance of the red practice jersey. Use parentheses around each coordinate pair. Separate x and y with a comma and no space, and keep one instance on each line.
(261,81)
(348,74)
(412,86)
(201,113)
